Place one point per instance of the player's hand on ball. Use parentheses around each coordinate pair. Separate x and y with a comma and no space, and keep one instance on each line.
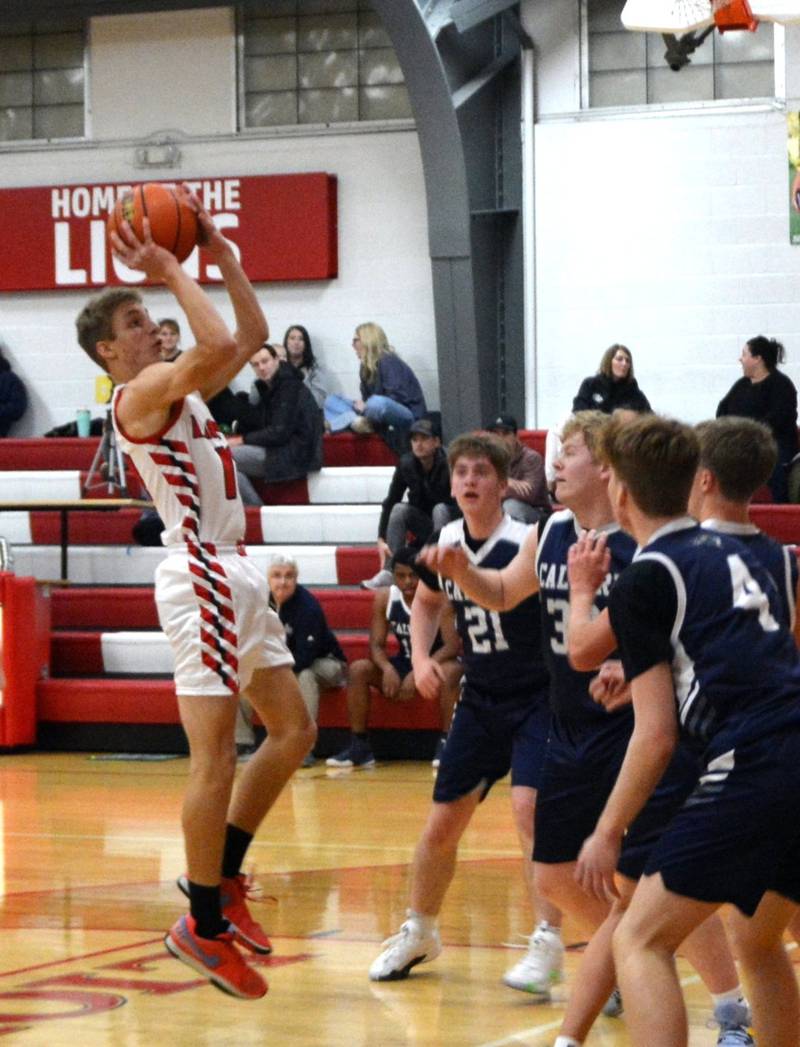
(208,236)
(588,562)
(144,255)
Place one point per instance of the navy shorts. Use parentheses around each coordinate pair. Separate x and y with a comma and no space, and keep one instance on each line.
(487,738)
(580,769)
(401,665)
(669,796)
(738,834)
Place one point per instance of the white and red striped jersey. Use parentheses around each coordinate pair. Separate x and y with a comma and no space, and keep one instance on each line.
(188,469)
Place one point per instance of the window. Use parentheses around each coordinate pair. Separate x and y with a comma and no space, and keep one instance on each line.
(318,62)
(42,79)
(628,68)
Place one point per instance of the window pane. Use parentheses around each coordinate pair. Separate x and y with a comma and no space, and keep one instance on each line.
(270,110)
(328,70)
(371,32)
(621,88)
(270,36)
(16,52)
(328,107)
(380,66)
(330,33)
(385,103)
(273,73)
(740,80)
(58,87)
(16,124)
(16,89)
(58,51)
(58,121)
(695,83)
(328,55)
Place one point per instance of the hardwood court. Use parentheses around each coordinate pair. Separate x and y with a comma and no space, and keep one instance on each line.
(90,852)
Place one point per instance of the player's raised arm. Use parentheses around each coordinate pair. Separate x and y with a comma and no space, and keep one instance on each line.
(497,590)
(590,638)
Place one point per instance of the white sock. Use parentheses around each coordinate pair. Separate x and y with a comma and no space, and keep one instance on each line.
(566,1041)
(543,925)
(426,924)
(731,996)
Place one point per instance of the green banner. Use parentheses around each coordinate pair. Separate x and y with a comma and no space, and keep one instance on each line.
(793,128)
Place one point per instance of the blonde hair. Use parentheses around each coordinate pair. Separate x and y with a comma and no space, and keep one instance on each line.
(590,424)
(373,337)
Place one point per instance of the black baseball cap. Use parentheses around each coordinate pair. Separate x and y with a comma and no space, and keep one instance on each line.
(424,426)
(506,422)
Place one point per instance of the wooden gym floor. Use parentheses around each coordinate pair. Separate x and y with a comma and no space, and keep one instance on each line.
(89,854)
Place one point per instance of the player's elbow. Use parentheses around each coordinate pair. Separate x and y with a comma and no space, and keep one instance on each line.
(583,659)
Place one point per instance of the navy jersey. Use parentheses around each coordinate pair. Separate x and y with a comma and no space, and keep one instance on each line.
(700,601)
(569,689)
(502,650)
(779,561)
(398,615)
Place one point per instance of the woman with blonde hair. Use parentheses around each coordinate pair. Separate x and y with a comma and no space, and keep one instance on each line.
(391,396)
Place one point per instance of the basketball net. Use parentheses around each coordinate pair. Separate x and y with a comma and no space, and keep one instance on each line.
(733,14)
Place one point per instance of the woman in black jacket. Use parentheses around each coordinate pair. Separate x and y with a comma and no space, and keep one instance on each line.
(282,440)
(613,386)
(769,396)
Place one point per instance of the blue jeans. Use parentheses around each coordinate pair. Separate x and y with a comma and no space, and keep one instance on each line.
(382,411)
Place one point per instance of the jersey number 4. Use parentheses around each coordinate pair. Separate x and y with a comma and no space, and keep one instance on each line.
(748,594)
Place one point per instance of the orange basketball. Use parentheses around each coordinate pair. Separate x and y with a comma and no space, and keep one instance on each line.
(173,224)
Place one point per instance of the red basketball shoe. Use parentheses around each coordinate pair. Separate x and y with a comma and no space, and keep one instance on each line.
(217,959)
(233,896)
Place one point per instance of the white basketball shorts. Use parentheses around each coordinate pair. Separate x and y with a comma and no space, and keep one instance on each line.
(213,605)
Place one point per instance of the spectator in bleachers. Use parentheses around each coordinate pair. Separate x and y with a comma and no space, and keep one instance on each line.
(170,331)
(525,497)
(613,386)
(281,439)
(319,661)
(424,474)
(392,675)
(391,396)
(13,395)
(297,343)
(769,396)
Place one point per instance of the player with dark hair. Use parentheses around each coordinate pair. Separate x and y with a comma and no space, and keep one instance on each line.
(393,675)
(698,624)
(213,602)
(501,719)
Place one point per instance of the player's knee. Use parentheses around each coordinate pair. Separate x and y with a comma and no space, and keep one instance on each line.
(523,807)
(214,768)
(360,670)
(441,833)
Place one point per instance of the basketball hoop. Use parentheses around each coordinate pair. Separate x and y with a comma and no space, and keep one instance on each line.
(734,14)
(692,16)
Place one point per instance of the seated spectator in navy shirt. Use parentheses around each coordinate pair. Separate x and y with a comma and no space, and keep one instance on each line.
(319,661)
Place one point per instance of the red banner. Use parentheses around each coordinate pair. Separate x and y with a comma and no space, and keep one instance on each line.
(283,227)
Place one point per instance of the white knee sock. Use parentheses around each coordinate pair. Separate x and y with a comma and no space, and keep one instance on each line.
(566,1041)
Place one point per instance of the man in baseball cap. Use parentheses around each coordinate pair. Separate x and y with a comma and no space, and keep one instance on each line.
(525,497)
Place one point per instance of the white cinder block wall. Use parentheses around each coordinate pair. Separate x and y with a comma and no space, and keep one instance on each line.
(384,267)
(666,231)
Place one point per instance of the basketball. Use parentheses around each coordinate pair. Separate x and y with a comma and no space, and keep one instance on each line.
(173,224)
